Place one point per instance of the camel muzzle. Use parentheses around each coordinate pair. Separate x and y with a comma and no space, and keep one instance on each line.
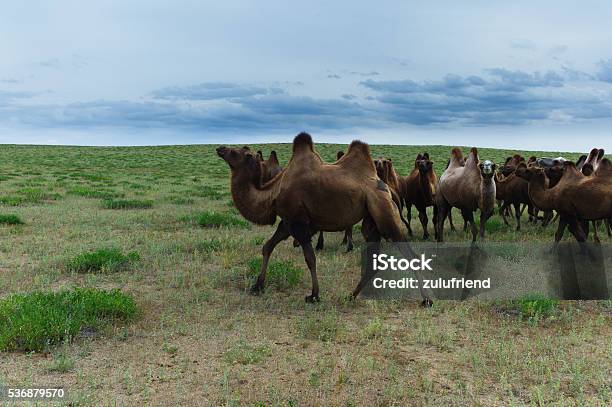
(221,151)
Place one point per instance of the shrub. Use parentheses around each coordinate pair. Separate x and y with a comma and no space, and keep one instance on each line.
(127,204)
(111,259)
(39,320)
(280,274)
(209,219)
(535,307)
(10,220)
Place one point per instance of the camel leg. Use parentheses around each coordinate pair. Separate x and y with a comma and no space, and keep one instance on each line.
(320,241)
(450,221)
(547,218)
(279,235)
(517,212)
(434,221)
(372,237)
(468,216)
(483,221)
(408,218)
(443,210)
(301,232)
(348,236)
(424,220)
(560,230)
(595,235)
(345,238)
(502,212)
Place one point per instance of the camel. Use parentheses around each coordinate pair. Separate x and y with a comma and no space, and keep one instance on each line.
(386,172)
(513,190)
(468,188)
(348,233)
(310,195)
(450,210)
(576,197)
(587,167)
(419,189)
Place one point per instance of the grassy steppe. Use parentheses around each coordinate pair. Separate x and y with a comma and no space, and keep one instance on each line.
(165,216)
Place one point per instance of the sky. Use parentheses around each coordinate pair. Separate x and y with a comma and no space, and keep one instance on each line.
(521,74)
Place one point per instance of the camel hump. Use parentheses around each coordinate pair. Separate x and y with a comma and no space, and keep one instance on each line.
(303,141)
(472,158)
(273,159)
(357,155)
(601,154)
(604,168)
(456,153)
(592,158)
(359,146)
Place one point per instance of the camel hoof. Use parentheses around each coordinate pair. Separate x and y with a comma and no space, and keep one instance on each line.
(425,237)
(426,303)
(311,299)
(256,289)
(296,243)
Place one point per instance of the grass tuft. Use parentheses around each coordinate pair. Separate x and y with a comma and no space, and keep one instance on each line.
(38,320)
(246,354)
(209,219)
(10,220)
(109,260)
(325,327)
(127,203)
(280,274)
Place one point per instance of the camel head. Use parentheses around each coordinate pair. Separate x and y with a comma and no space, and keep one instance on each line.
(487,168)
(550,162)
(425,165)
(339,154)
(381,168)
(241,160)
(260,155)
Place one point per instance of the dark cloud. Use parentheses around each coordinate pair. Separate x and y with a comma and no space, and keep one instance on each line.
(212,91)
(501,97)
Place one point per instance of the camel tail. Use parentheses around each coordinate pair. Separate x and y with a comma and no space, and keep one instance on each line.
(301,141)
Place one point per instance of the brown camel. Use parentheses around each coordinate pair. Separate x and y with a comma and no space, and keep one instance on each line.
(386,172)
(450,210)
(419,189)
(576,197)
(513,190)
(468,188)
(587,167)
(310,195)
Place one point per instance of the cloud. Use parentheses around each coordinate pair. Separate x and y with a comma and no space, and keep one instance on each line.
(501,97)
(334,76)
(604,73)
(212,91)
(495,97)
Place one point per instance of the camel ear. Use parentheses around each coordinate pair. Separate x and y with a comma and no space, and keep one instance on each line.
(426,156)
(419,157)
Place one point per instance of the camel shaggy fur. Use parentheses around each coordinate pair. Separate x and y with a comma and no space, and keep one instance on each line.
(419,189)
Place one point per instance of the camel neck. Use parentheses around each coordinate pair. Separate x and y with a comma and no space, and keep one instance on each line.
(253,203)
(539,192)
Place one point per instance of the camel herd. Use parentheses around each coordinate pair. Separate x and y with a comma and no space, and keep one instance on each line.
(311,196)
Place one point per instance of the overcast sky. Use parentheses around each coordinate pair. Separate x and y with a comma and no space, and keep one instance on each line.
(519,74)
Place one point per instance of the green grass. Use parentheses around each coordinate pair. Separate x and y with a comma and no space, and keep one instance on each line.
(280,274)
(536,307)
(127,204)
(106,259)
(246,354)
(89,192)
(39,320)
(10,220)
(208,219)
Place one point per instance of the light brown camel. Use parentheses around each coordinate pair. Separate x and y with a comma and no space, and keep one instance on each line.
(576,197)
(513,190)
(419,189)
(468,188)
(310,195)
